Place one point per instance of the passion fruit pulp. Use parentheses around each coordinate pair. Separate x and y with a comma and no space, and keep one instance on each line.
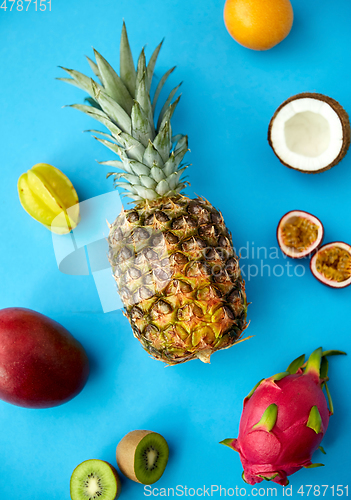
(331,265)
(299,234)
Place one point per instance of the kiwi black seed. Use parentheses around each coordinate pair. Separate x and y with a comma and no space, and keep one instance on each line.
(142,456)
(95,479)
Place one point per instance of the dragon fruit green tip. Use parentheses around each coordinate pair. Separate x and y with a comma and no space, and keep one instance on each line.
(284,420)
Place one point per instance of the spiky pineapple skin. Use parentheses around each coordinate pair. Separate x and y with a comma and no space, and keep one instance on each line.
(179,278)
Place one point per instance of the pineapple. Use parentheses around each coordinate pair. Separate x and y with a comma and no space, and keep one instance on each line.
(172,256)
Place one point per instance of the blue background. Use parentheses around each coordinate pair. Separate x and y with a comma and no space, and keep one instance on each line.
(229,96)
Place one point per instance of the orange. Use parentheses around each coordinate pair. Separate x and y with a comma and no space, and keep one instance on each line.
(258,24)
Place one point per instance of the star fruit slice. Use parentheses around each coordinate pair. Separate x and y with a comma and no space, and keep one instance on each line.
(50,198)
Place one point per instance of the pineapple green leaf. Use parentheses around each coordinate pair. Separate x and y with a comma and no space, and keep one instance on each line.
(134,148)
(139,168)
(110,145)
(114,86)
(179,189)
(145,193)
(157,173)
(163,142)
(141,128)
(147,182)
(81,81)
(176,138)
(314,421)
(130,178)
(173,179)
(122,104)
(162,187)
(296,364)
(103,134)
(126,186)
(94,67)
(151,65)
(152,156)
(174,160)
(93,103)
(113,110)
(117,164)
(100,116)
(143,98)
(169,112)
(166,104)
(181,144)
(141,68)
(135,197)
(127,69)
(160,86)
(268,418)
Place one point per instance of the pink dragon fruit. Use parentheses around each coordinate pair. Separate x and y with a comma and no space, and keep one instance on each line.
(284,420)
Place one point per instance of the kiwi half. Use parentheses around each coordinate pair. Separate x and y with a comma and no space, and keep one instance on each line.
(95,479)
(142,456)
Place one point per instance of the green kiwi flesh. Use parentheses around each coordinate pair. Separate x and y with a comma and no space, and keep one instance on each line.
(94,479)
(150,459)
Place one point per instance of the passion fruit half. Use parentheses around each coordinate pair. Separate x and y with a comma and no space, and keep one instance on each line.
(331,265)
(299,234)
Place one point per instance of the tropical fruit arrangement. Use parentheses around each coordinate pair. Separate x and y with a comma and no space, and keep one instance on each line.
(258,24)
(175,267)
(284,421)
(300,235)
(41,364)
(49,197)
(172,256)
(310,132)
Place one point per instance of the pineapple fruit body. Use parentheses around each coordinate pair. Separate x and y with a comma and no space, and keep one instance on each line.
(172,257)
(179,278)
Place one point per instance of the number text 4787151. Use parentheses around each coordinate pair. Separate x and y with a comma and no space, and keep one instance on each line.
(25,5)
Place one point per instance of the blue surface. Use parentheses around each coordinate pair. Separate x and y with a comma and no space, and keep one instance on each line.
(229,96)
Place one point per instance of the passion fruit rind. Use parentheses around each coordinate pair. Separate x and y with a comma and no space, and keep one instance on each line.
(331,264)
(344,120)
(309,243)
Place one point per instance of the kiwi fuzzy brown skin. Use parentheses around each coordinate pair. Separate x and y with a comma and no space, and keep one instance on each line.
(313,249)
(345,122)
(125,453)
(330,283)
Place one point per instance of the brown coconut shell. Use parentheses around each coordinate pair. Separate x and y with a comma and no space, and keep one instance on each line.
(345,122)
(125,452)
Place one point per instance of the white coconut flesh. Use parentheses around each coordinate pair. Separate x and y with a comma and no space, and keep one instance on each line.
(291,217)
(307,134)
(321,276)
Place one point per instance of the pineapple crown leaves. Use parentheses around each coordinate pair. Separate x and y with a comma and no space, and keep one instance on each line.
(150,164)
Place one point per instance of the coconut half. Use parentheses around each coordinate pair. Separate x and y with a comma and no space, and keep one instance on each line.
(310,132)
(331,265)
(299,234)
